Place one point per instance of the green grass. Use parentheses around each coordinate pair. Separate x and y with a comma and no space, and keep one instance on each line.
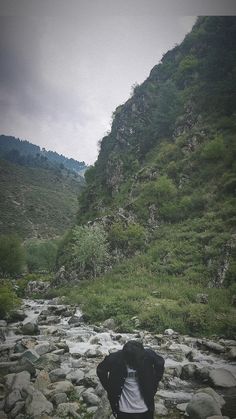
(36,202)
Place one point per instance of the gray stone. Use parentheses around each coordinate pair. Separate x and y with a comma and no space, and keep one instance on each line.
(42,348)
(188,371)
(19,406)
(208,390)
(221,377)
(13,397)
(182,407)
(160,409)
(232,354)
(42,381)
(109,324)
(57,375)
(31,355)
(17,381)
(65,410)
(75,376)
(37,405)
(202,406)
(48,362)
(30,328)
(213,346)
(60,387)
(90,397)
(59,398)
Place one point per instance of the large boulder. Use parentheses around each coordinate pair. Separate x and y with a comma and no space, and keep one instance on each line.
(221,377)
(202,406)
(36,405)
(30,328)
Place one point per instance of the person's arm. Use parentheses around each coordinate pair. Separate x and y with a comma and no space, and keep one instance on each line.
(158,365)
(103,372)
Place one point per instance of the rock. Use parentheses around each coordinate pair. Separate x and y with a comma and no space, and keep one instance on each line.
(109,324)
(59,398)
(63,345)
(30,328)
(208,390)
(13,397)
(74,320)
(90,397)
(188,372)
(60,387)
(17,316)
(57,375)
(17,381)
(42,348)
(66,410)
(178,347)
(48,362)
(37,287)
(232,354)
(93,353)
(104,409)
(182,407)
(160,409)
(212,346)
(3,323)
(37,405)
(31,355)
(42,381)
(19,406)
(221,377)
(75,376)
(202,406)
(169,332)
(202,298)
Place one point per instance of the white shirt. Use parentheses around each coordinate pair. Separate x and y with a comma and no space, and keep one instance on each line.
(131,400)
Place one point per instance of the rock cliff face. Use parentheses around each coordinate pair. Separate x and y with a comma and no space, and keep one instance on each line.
(169,158)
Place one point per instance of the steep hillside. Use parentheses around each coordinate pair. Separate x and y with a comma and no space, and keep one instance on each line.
(27,154)
(37,202)
(169,160)
(163,189)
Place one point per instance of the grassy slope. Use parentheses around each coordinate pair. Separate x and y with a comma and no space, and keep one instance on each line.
(192,190)
(36,202)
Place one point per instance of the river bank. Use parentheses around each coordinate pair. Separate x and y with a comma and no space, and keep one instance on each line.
(48,365)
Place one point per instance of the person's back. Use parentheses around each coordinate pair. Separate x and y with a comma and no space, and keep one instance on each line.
(131,378)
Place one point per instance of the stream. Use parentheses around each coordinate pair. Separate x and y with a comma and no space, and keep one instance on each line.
(80,347)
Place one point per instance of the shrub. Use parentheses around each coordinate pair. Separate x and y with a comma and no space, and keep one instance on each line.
(8,300)
(41,255)
(12,255)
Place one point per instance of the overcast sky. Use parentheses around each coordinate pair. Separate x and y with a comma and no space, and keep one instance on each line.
(66,65)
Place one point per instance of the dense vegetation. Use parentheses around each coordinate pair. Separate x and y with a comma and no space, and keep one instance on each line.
(163,190)
(37,202)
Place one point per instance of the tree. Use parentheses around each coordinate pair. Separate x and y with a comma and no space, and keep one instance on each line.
(12,255)
(85,250)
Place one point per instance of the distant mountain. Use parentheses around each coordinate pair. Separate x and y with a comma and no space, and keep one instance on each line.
(39,190)
(26,154)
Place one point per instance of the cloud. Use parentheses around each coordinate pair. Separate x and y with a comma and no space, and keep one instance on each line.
(62,76)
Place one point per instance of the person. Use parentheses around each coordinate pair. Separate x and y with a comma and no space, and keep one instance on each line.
(131,377)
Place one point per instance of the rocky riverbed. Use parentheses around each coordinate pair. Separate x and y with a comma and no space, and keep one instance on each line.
(48,365)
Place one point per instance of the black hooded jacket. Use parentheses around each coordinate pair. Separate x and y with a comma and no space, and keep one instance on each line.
(112,373)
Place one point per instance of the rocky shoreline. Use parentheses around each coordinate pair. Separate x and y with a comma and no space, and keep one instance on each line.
(49,357)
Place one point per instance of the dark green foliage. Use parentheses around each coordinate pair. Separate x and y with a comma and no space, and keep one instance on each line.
(8,299)
(37,202)
(12,255)
(41,255)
